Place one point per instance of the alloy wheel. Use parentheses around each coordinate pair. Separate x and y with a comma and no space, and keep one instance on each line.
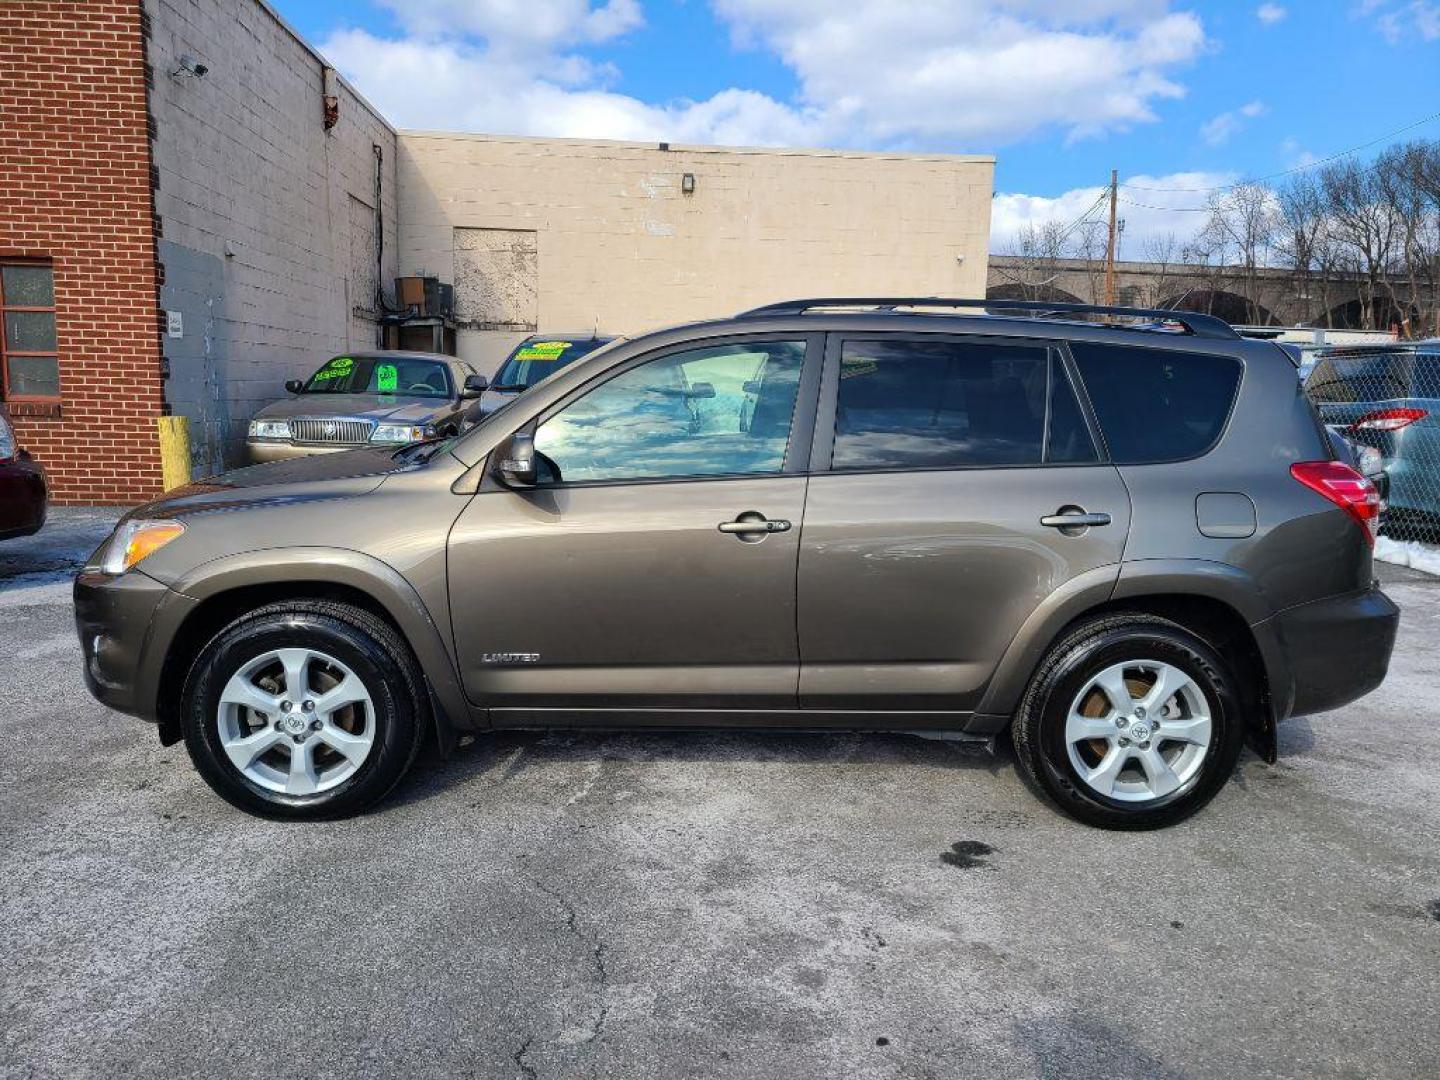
(1138,731)
(296,721)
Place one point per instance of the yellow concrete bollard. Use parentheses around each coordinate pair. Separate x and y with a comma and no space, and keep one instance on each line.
(174,451)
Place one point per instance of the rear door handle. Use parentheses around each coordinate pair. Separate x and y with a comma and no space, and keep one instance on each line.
(755,525)
(1074,521)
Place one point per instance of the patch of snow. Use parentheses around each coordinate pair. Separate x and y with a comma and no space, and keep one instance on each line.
(1411,553)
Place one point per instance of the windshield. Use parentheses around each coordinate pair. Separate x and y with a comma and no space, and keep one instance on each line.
(1360,377)
(381,375)
(536,358)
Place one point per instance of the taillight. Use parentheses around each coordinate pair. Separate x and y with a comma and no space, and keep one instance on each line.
(1344,487)
(1388,419)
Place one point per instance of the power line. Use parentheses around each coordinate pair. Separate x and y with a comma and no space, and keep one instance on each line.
(1286,172)
(1169,209)
(1096,205)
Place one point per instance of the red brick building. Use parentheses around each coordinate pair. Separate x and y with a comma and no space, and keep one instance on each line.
(81,363)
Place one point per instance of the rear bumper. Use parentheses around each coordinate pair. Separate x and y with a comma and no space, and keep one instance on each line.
(1335,650)
(23,498)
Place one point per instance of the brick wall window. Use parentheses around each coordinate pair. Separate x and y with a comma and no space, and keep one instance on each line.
(29,368)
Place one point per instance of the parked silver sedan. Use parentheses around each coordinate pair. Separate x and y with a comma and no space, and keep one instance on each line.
(366,399)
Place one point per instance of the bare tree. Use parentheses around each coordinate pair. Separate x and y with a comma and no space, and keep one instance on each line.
(1399,174)
(1035,256)
(1241,226)
(1301,241)
(1090,240)
(1161,252)
(1364,226)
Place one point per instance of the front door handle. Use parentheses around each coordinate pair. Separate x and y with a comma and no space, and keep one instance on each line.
(1075,518)
(754,523)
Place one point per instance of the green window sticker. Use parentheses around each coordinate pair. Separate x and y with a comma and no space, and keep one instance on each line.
(387,378)
(334,369)
(543,350)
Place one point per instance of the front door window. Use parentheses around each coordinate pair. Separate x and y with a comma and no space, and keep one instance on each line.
(722,410)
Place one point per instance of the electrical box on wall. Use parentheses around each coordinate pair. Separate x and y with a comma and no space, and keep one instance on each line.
(426,296)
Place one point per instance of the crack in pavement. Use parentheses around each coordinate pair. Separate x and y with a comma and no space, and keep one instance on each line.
(596,949)
(519,1058)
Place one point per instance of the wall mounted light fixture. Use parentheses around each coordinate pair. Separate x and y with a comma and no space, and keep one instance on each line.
(687,183)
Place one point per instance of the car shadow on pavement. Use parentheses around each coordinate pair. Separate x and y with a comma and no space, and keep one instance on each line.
(59,549)
(506,754)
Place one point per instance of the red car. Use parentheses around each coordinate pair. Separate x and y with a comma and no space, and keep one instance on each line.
(22,486)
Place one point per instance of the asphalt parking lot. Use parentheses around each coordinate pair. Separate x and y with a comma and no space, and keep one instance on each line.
(729,905)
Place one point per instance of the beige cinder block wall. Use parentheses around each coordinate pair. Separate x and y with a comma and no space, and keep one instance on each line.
(564,235)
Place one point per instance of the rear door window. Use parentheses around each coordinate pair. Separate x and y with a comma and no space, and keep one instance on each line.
(904,403)
(1156,404)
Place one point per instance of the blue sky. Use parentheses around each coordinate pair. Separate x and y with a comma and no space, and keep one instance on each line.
(1175,95)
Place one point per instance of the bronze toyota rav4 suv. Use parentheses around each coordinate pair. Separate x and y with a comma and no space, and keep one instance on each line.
(1119,535)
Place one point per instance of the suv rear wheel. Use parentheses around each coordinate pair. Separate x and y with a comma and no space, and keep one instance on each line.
(303,709)
(1131,722)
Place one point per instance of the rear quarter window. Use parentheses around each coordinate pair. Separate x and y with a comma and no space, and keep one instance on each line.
(1360,377)
(1156,404)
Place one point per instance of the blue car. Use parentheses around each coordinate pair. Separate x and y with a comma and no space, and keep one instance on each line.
(1388,397)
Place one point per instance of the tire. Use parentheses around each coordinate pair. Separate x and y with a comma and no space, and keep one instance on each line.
(1053,749)
(378,734)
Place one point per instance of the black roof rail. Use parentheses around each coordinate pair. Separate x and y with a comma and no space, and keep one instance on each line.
(1205,326)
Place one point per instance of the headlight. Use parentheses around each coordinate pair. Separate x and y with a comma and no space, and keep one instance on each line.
(269,429)
(136,539)
(402,433)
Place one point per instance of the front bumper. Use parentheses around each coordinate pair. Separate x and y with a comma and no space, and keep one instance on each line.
(1338,649)
(261,451)
(118,618)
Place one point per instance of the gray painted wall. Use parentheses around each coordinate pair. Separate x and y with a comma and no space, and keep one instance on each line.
(263,214)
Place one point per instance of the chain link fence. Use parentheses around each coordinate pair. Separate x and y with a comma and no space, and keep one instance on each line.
(1385,400)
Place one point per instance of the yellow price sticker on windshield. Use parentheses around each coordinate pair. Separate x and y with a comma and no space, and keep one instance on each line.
(334,369)
(543,350)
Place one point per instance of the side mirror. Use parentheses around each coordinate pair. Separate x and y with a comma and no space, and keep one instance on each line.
(514,461)
(294,386)
(475,385)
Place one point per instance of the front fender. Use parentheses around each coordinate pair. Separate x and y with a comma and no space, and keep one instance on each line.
(294,567)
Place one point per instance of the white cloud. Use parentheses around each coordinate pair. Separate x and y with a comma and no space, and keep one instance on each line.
(459,87)
(959,75)
(913,71)
(1296,156)
(1404,21)
(533,23)
(1219,129)
(1152,207)
(1270,14)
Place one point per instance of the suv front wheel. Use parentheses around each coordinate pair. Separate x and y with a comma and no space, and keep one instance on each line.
(303,709)
(1131,722)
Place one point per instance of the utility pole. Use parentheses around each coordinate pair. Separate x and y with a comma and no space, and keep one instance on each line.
(1110,248)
